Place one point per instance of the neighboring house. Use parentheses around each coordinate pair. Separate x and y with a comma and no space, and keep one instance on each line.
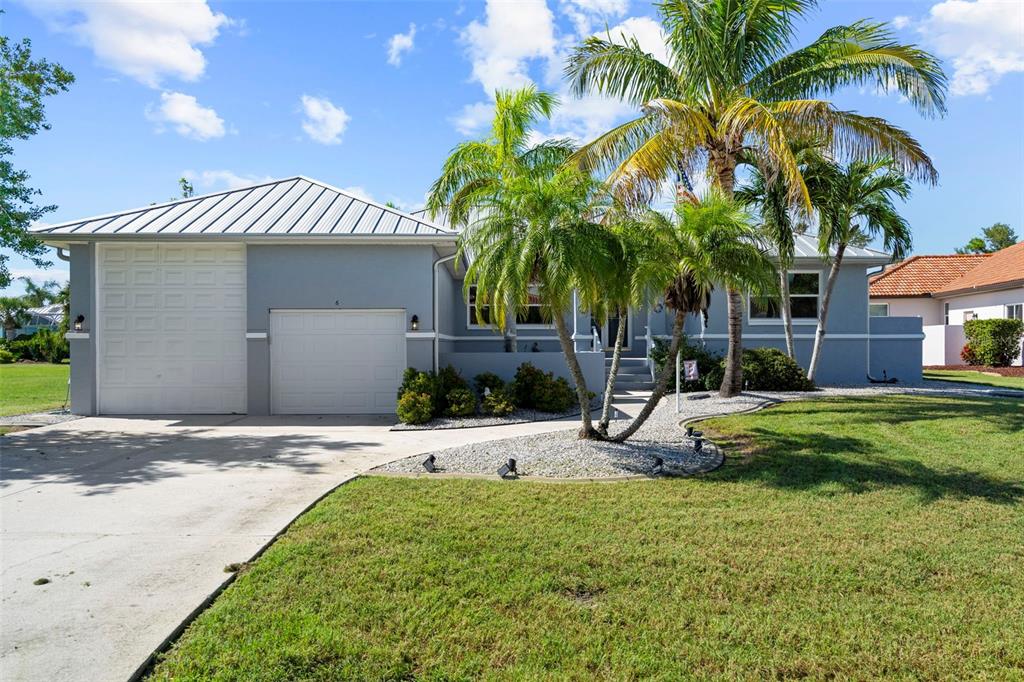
(45,317)
(295,297)
(946,291)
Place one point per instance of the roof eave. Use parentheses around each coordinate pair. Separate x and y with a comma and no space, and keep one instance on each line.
(65,239)
(984,288)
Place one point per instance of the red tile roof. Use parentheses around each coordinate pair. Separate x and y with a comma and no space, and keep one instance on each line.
(922,275)
(1001,269)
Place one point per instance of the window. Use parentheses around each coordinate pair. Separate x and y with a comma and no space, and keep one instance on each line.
(945,313)
(532,315)
(1015,311)
(472,320)
(803,300)
(970,315)
(878,310)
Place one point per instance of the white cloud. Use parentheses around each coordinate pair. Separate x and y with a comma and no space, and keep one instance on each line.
(399,44)
(474,118)
(984,41)
(216,179)
(324,122)
(584,13)
(647,32)
(145,40)
(358,192)
(900,22)
(187,117)
(512,34)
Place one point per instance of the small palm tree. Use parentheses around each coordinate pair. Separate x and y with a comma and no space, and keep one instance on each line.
(13,314)
(855,204)
(732,85)
(538,234)
(709,243)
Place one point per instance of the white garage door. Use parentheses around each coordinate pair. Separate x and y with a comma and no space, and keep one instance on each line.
(336,361)
(172,329)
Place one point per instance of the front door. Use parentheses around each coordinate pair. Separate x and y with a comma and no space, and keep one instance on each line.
(610,329)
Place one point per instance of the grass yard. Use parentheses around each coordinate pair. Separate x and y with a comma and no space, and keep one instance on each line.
(975,378)
(32,387)
(856,538)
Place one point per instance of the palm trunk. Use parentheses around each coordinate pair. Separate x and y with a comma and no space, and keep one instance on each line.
(732,382)
(819,336)
(667,372)
(609,388)
(787,313)
(587,429)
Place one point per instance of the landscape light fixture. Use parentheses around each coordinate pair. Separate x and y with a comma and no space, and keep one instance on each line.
(428,464)
(415,322)
(659,466)
(689,431)
(698,445)
(507,468)
(79,321)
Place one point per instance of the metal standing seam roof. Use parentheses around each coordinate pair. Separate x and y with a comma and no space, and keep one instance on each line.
(281,208)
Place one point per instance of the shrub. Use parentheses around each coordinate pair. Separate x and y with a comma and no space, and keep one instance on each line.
(707,365)
(21,349)
(461,402)
(526,385)
(487,380)
(996,343)
(554,395)
(50,346)
(415,408)
(415,381)
(500,403)
(968,355)
(769,369)
(6,356)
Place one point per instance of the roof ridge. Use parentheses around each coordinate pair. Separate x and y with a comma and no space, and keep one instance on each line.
(885,273)
(374,202)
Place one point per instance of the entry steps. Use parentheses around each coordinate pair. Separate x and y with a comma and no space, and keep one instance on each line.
(633,375)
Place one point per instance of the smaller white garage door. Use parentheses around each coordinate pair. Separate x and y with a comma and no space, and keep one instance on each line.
(336,361)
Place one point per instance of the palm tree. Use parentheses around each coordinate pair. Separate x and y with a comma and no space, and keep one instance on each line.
(538,234)
(731,85)
(854,205)
(13,314)
(38,295)
(709,243)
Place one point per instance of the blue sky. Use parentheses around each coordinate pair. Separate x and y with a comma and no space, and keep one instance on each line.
(372,95)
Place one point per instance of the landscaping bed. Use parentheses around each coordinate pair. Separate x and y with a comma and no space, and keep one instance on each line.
(520,416)
(841,542)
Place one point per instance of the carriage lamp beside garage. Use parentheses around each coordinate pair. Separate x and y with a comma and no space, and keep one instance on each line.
(414,323)
(79,323)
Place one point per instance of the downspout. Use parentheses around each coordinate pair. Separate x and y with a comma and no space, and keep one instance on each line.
(63,256)
(437,348)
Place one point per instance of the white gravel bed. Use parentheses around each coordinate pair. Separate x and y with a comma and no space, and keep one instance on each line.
(38,418)
(562,455)
(520,416)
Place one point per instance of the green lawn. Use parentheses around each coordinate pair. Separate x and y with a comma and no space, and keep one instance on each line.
(859,538)
(32,387)
(974,378)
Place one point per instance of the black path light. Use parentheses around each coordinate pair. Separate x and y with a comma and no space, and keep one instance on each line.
(428,464)
(507,468)
(659,467)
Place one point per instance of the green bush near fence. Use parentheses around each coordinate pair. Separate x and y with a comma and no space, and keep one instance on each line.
(993,343)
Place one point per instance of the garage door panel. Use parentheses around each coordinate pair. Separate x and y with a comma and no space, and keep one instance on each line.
(337,361)
(165,346)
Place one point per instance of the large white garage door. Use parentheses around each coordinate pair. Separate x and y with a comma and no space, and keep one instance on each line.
(172,329)
(336,361)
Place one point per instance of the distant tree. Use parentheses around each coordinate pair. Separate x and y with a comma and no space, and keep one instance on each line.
(993,238)
(13,314)
(24,83)
(187,190)
(38,295)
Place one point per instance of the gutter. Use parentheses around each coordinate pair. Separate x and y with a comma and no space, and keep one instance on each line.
(437,342)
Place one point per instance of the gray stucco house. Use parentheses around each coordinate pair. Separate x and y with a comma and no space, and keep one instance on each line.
(295,297)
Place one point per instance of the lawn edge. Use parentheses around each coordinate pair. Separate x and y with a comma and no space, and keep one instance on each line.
(147,666)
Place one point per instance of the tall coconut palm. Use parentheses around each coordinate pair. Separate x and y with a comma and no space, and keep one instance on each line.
(38,295)
(539,234)
(708,243)
(854,204)
(732,84)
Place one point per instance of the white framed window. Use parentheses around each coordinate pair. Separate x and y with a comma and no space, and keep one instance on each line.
(878,310)
(804,299)
(1015,311)
(533,314)
(945,313)
(472,319)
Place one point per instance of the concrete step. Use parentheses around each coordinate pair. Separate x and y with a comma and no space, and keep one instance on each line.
(630,384)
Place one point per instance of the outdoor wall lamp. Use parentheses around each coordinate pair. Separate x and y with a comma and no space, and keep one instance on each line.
(79,321)
(415,322)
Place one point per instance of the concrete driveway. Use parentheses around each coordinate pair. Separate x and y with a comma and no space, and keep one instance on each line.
(133,520)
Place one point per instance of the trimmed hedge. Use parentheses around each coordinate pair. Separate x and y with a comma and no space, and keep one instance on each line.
(45,345)
(769,369)
(709,376)
(993,343)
